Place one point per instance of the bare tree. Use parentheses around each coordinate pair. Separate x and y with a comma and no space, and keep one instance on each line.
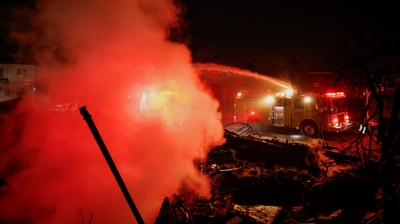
(373,61)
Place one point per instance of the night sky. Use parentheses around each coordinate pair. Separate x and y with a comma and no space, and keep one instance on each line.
(8,48)
(264,33)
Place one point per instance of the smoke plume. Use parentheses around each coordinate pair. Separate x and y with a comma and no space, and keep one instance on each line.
(144,97)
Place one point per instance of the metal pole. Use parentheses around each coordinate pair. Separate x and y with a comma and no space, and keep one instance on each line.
(88,118)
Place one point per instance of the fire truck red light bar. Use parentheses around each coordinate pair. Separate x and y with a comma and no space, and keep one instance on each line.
(336,95)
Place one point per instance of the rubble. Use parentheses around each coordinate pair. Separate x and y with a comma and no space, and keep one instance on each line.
(259,213)
(258,180)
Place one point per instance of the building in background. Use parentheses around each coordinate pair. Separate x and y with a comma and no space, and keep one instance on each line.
(16,80)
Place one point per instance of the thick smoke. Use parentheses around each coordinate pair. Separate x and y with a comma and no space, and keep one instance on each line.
(104,55)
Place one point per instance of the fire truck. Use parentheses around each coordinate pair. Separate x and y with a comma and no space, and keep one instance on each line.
(309,112)
(164,105)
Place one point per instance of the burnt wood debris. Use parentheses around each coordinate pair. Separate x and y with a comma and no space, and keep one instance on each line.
(271,180)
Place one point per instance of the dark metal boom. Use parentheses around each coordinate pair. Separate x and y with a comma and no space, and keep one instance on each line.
(88,118)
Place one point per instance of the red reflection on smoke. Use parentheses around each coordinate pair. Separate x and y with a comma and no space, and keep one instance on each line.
(97,53)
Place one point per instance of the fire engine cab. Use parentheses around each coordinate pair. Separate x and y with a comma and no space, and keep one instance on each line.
(311,113)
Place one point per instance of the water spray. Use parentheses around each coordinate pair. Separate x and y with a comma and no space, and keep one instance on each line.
(88,118)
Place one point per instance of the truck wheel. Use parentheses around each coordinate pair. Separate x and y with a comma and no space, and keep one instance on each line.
(309,128)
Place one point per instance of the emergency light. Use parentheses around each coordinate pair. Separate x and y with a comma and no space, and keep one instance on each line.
(335,95)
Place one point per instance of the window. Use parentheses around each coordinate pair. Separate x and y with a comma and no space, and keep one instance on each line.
(298,104)
(22,73)
(1,72)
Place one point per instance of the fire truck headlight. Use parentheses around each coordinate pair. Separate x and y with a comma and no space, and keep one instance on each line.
(269,99)
(307,99)
(238,95)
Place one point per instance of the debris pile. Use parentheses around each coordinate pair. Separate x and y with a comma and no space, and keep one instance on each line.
(256,180)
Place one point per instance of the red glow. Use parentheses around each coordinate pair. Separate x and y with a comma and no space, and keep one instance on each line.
(100,52)
(335,95)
